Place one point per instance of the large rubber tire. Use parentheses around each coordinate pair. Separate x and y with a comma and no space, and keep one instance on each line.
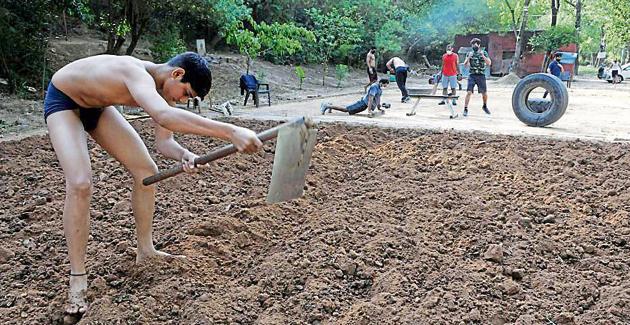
(534,112)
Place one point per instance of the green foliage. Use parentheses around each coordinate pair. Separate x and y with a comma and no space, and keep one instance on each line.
(23,42)
(553,38)
(167,44)
(277,41)
(341,73)
(299,72)
(335,30)
(261,75)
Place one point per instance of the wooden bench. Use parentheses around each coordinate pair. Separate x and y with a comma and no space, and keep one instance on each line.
(446,98)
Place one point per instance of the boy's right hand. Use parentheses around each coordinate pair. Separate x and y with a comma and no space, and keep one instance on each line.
(245,140)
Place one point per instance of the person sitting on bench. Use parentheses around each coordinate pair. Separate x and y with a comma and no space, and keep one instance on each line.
(371,100)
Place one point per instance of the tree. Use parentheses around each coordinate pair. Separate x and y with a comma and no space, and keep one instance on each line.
(520,40)
(332,30)
(299,72)
(277,39)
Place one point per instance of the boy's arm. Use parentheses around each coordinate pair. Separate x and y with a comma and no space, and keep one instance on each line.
(484,54)
(389,64)
(167,146)
(142,87)
(370,100)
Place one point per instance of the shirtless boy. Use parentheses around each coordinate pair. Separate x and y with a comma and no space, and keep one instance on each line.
(80,99)
(370,61)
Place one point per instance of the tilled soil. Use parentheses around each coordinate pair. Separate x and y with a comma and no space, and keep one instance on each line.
(395,227)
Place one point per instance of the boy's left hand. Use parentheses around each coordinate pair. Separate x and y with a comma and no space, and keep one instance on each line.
(188,162)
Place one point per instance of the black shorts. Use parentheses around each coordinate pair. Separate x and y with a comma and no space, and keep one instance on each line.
(373,77)
(479,80)
(57,101)
(615,73)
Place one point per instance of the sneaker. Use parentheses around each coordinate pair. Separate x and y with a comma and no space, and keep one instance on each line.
(485,109)
(442,103)
(465,111)
(405,99)
(454,103)
(323,107)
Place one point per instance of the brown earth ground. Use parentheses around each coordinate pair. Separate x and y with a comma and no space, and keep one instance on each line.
(396,227)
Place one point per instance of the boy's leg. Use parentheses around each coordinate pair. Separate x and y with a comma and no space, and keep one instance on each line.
(70,143)
(121,141)
(337,108)
(404,84)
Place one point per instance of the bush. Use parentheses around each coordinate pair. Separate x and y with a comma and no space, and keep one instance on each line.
(341,73)
(167,44)
(24,26)
(261,75)
(299,72)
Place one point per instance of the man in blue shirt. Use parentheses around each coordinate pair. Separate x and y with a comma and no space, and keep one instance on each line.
(370,101)
(555,68)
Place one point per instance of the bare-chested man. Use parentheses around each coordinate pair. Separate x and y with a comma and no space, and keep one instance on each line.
(80,99)
(370,60)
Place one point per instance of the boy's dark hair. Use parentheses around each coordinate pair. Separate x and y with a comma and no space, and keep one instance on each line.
(196,70)
(373,48)
(384,81)
(475,40)
(558,55)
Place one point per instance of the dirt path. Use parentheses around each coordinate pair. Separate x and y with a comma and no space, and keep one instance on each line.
(396,227)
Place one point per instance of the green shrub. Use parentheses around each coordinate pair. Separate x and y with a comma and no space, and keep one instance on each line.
(261,75)
(341,73)
(23,42)
(167,44)
(299,72)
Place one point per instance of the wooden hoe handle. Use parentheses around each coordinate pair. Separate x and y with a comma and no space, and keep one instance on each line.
(219,153)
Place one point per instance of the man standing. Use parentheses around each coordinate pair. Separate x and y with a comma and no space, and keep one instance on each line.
(370,60)
(477,59)
(449,73)
(555,68)
(397,65)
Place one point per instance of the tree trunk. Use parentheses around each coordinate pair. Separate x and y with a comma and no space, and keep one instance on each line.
(555,6)
(520,40)
(507,3)
(65,23)
(578,26)
(138,14)
(324,72)
(215,40)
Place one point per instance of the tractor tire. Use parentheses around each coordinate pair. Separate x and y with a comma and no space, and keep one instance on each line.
(540,112)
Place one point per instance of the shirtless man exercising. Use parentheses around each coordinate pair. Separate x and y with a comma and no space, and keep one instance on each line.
(80,99)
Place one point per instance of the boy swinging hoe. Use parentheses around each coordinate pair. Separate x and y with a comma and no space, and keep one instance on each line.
(80,100)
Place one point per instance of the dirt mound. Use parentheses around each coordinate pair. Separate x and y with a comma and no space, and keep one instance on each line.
(396,227)
(508,80)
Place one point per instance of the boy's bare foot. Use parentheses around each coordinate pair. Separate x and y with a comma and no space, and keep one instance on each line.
(77,304)
(143,255)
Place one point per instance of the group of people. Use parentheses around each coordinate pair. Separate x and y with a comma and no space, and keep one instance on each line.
(477,60)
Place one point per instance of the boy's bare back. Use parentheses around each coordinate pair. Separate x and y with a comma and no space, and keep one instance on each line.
(101,80)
